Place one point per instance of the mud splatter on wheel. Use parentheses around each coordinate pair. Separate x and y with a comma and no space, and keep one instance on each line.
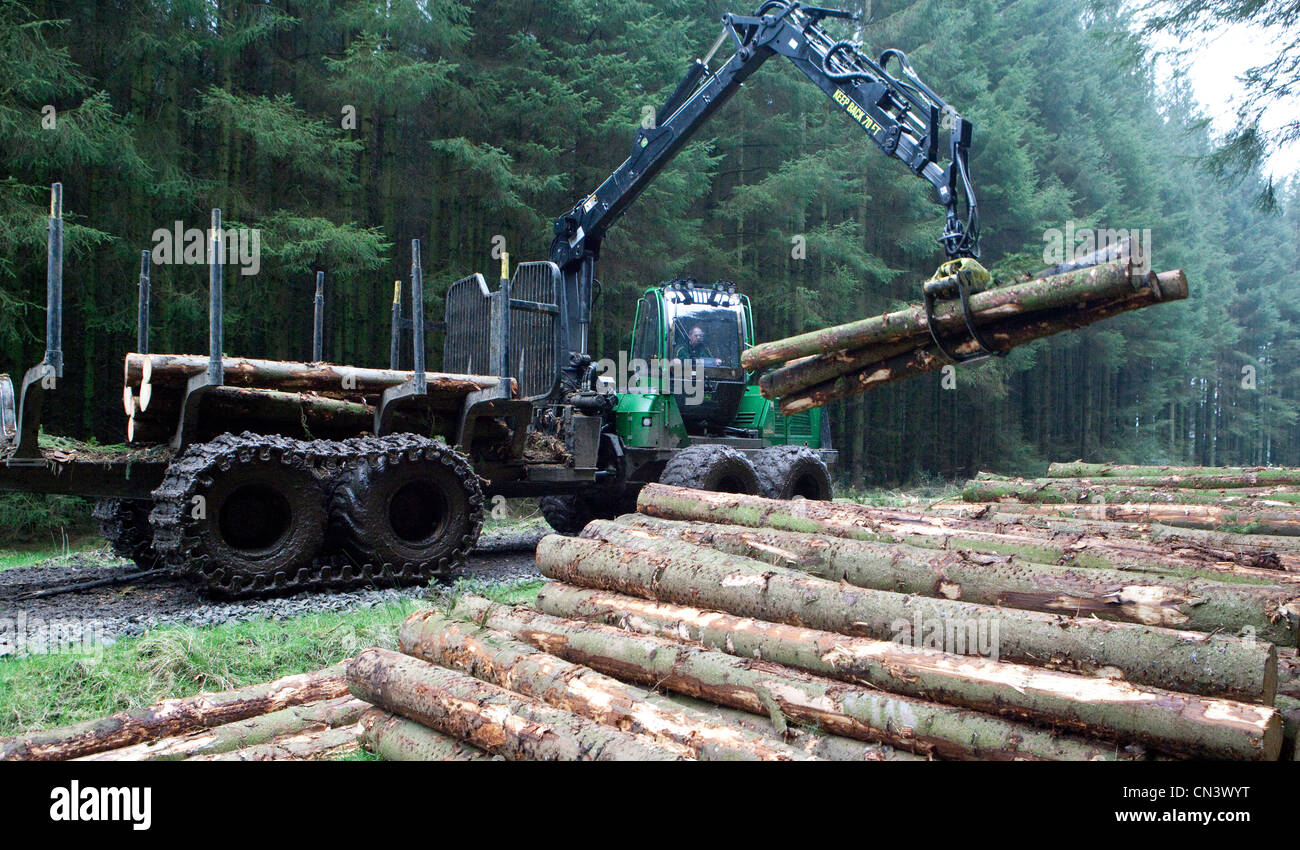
(124,523)
(242,515)
(789,472)
(718,468)
(408,503)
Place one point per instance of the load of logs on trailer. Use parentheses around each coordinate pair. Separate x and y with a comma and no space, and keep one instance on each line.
(816,368)
(723,626)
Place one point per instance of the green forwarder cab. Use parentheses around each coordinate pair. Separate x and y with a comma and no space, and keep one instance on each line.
(686,413)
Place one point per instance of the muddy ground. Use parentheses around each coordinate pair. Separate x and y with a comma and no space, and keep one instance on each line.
(121,610)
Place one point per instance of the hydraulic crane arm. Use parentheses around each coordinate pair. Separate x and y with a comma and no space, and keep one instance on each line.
(902,115)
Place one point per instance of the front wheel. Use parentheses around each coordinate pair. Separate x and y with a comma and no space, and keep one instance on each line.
(718,468)
(793,472)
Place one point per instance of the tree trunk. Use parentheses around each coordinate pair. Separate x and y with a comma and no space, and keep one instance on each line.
(394,738)
(1273,613)
(783,693)
(518,667)
(1073,491)
(1187,662)
(1092,706)
(1236,520)
(174,370)
(489,717)
(254,731)
(1097,283)
(321,745)
(1187,476)
(888,525)
(1002,336)
(174,717)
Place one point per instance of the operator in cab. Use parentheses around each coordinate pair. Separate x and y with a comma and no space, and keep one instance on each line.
(696,348)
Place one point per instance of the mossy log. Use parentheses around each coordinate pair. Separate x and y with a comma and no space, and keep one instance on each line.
(489,717)
(1112,280)
(889,525)
(784,693)
(1236,520)
(1188,476)
(320,745)
(1187,662)
(1097,707)
(392,737)
(1268,613)
(1002,336)
(1052,491)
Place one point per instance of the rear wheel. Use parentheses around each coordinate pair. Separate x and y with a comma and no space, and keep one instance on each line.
(793,472)
(570,514)
(408,505)
(718,468)
(242,515)
(124,523)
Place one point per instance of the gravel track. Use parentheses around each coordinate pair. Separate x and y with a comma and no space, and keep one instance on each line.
(105,614)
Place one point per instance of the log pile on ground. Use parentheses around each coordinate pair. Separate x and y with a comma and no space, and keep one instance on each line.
(817,368)
(297,718)
(1264,500)
(317,399)
(719,626)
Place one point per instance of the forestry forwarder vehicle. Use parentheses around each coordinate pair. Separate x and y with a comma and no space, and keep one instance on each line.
(251,477)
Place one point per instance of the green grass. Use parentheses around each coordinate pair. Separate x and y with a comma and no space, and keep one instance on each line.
(45,691)
(30,554)
(910,497)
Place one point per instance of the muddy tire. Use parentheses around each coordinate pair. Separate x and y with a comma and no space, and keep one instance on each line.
(789,472)
(408,505)
(569,515)
(124,523)
(718,468)
(241,515)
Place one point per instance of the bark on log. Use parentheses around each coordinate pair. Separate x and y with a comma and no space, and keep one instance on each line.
(176,369)
(1190,476)
(1099,282)
(1049,491)
(784,693)
(1235,520)
(1096,707)
(1288,673)
(1271,613)
(860,522)
(818,745)
(174,716)
(254,731)
(1002,336)
(1251,551)
(1187,662)
(519,667)
(489,717)
(394,738)
(321,745)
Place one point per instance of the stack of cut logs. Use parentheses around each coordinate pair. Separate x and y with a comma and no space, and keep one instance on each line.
(1263,500)
(716,626)
(318,399)
(823,366)
(297,718)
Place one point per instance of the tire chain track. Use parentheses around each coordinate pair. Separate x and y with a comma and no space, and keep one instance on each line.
(192,473)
